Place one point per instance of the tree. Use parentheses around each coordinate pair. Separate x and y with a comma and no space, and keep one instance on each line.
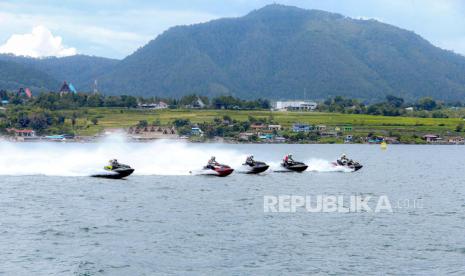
(40,121)
(94,100)
(157,122)
(23,120)
(439,114)
(3,95)
(143,124)
(181,122)
(227,118)
(427,103)
(459,127)
(394,101)
(74,119)
(128,101)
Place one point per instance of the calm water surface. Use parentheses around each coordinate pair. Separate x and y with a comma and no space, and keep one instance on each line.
(149,225)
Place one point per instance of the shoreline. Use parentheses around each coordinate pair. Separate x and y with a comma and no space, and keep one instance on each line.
(91,140)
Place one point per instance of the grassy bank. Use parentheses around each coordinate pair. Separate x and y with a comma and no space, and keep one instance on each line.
(123,118)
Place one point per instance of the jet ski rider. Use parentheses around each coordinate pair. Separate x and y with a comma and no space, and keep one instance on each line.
(113,165)
(250,161)
(344,160)
(288,159)
(212,162)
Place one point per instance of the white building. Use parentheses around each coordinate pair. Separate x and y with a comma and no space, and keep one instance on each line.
(296,105)
(159,105)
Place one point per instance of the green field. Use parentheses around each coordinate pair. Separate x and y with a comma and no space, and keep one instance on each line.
(124,118)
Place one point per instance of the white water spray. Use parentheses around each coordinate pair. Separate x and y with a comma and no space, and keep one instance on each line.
(320,165)
(155,158)
(75,159)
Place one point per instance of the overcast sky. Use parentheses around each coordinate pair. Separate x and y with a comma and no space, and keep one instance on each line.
(116,28)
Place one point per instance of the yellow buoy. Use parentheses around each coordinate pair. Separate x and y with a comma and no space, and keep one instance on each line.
(383,145)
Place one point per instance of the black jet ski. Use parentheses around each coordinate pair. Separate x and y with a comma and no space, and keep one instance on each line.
(121,171)
(294,166)
(255,167)
(353,165)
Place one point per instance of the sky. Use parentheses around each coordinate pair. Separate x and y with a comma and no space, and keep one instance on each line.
(116,28)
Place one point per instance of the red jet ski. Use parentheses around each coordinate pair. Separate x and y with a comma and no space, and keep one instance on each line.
(218,170)
(222,170)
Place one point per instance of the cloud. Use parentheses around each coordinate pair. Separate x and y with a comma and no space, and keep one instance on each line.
(115,28)
(110,32)
(39,43)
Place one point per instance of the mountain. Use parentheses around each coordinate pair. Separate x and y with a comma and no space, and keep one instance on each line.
(80,70)
(277,52)
(13,76)
(282,52)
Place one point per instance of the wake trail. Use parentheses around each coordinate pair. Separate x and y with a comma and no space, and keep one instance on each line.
(72,159)
(162,157)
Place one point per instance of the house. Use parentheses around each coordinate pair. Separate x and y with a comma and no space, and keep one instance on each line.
(147,106)
(266,137)
(196,131)
(5,102)
(152,132)
(375,140)
(274,127)
(347,128)
(329,134)
(162,105)
(456,140)
(409,109)
(25,93)
(320,128)
(391,140)
(298,127)
(56,138)
(257,127)
(159,105)
(67,89)
(432,138)
(245,136)
(296,105)
(21,132)
(197,103)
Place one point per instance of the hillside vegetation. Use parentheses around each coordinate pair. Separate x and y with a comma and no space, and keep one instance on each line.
(277,52)
(282,52)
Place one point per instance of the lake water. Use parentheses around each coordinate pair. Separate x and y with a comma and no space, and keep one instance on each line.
(164,221)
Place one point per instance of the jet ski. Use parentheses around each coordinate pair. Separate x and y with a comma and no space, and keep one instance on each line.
(216,170)
(119,172)
(353,165)
(294,166)
(255,168)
